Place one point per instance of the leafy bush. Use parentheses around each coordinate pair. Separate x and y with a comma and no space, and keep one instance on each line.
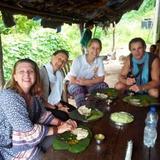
(38,46)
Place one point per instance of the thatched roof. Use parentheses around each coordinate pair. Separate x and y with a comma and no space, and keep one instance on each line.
(101,12)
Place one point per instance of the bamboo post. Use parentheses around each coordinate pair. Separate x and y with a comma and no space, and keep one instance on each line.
(156,34)
(1,65)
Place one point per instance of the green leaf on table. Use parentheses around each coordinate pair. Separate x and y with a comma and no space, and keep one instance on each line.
(80,146)
(95,114)
(112,93)
(68,141)
(140,100)
(60,145)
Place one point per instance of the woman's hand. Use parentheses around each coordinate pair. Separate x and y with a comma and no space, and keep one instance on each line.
(80,81)
(130,81)
(67,126)
(63,108)
(72,122)
(84,82)
(48,105)
(135,88)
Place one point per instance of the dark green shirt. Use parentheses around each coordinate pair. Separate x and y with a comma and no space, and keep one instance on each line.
(86,36)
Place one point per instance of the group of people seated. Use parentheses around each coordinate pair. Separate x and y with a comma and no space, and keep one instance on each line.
(32,111)
(155,48)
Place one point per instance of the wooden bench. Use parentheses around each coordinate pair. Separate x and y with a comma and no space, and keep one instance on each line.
(65,70)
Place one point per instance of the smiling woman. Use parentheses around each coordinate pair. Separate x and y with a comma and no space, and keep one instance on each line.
(26,128)
(52,80)
(25,76)
(87,73)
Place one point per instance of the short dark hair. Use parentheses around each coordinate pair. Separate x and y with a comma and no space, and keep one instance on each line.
(63,51)
(89,23)
(95,40)
(137,39)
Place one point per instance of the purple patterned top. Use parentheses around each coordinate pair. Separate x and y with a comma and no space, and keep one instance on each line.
(22,127)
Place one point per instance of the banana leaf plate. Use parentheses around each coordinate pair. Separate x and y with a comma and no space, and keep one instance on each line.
(108,93)
(95,114)
(67,141)
(140,100)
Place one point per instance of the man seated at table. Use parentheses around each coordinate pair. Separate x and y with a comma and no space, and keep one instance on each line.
(144,68)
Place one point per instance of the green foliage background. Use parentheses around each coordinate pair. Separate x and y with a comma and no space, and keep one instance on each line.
(38,47)
(29,39)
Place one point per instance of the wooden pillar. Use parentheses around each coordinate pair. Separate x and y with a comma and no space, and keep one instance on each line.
(1,65)
(156,35)
(113,38)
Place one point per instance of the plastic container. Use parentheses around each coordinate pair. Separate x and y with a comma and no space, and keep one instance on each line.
(152,117)
(150,136)
(150,131)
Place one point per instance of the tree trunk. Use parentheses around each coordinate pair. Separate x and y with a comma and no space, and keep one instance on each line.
(1,66)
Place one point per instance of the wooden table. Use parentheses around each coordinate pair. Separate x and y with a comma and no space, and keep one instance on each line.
(115,143)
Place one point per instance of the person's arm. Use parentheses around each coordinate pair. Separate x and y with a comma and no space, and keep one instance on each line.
(90,82)
(86,82)
(155,76)
(124,72)
(62,107)
(154,83)
(48,105)
(57,125)
(46,117)
(58,106)
(24,133)
(63,127)
(73,80)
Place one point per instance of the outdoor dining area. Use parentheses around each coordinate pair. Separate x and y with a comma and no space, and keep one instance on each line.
(115,135)
(114,111)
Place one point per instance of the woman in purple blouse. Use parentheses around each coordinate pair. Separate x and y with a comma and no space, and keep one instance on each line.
(25,125)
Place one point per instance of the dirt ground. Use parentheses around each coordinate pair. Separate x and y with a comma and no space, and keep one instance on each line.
(112,69)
